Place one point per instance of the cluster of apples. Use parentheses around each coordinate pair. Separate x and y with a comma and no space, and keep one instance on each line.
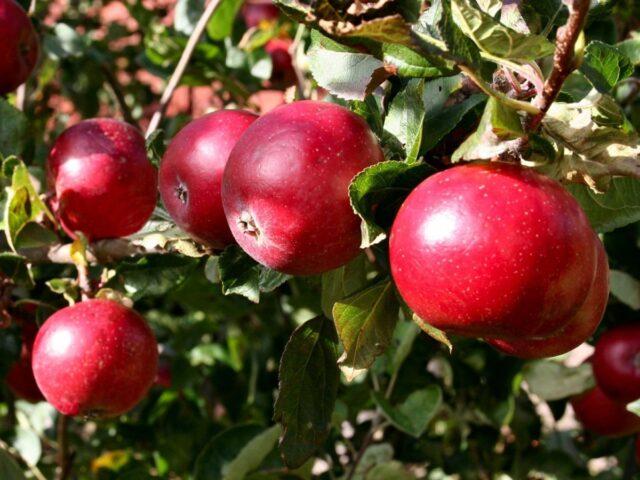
(616,368)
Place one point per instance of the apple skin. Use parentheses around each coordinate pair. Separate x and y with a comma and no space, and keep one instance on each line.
(604,416)
(20,379)
(493,250)
(105,186)
(190,175)
(254,13)
(278,50)
(285,186)
(19,52)
(96,359)
(616,362)
(577,330)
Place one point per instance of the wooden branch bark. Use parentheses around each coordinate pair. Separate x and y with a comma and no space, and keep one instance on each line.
(102,252)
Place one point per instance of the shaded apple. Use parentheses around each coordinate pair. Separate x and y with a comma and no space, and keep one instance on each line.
(20,379)
(604,416)
(190,175)
(278,50)
(104,184)
(576,331)
(255,12)
(19,52)
(493,250)
(285,187)
(96,358)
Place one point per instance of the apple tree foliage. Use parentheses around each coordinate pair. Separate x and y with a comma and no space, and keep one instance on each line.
(279,377)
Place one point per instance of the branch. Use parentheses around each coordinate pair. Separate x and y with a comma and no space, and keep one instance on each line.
(112,81)
(64,459)
(182,65)
(563,58)
(103,251)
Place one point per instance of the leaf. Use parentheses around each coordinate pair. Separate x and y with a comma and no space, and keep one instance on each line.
(365,322)
(67,287)
(13,133)
(374,455)
(388,470)
(403,337)
(405,118)
(342,282)
(625,288)
(308,386)
(414,414)
(9,469)
(433,332)
(187,13)
(631,49)
(235,452)
(605,65)
(27,443)
(65,42)
(496,39)
(15,267)
(241,275)
(155,147)
(551,380)
(634,407)
(440,122)
(221,24)
(346,73)
(410,64)
(615,208)
(377,192)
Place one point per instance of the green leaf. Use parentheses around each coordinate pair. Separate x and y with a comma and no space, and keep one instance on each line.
(496,39)
(625,288)
(221,24)
(605,65)
(401,344)
(377,192)
(365,322)
(414,414)
(27,443)
(241,275)
(405,118)
(155,147)
(65,42)
(378,454)
(389,470)
(615,208)
(341,282)
(9,469)
(309,380)
(346,73)
(631,49)
(13,133)
(235,452)
(187,13)
(409,63)
(67,287)
(551,380)
(433,332)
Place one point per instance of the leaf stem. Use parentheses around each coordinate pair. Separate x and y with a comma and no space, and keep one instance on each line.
(177,74)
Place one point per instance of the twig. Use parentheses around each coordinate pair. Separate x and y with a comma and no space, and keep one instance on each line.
(35,471)
(64,463)
(112,81)
(563,58)
(104,251)
(293,51)
(182,65)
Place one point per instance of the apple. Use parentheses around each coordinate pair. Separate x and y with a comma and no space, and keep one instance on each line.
(191,174)
(255,12)
(20,379)
(604,416)
(104,184)
(285,186)
(616,362)
(278,50)
(576,331)
(96,359)
(19,52)
(493,250)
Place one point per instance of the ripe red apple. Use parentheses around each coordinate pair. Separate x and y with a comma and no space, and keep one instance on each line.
(616,362)
(19,52)
(278,50)
(576,331)
(20,379)
(97,358)
(604,416)
(191,174)
(257,11)
(285,186)
(493,250)
(104,184)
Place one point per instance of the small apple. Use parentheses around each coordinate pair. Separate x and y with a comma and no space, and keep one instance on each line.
(20,379)
(104,184)
(576,331)
(285,186)
(604,416)
(616,362)
(493,250)
(191,174)
(19,52)
(278,50)
(255,12)
(96,358)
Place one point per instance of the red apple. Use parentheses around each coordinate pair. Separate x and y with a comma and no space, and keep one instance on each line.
(19,52)
(285,187)
(616,362)
(164,377)
(191,174)
(576,331)
(493,250)
(256,12)
(20,379)
(602,415)
(97,358)
(278,50)
(104,184)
